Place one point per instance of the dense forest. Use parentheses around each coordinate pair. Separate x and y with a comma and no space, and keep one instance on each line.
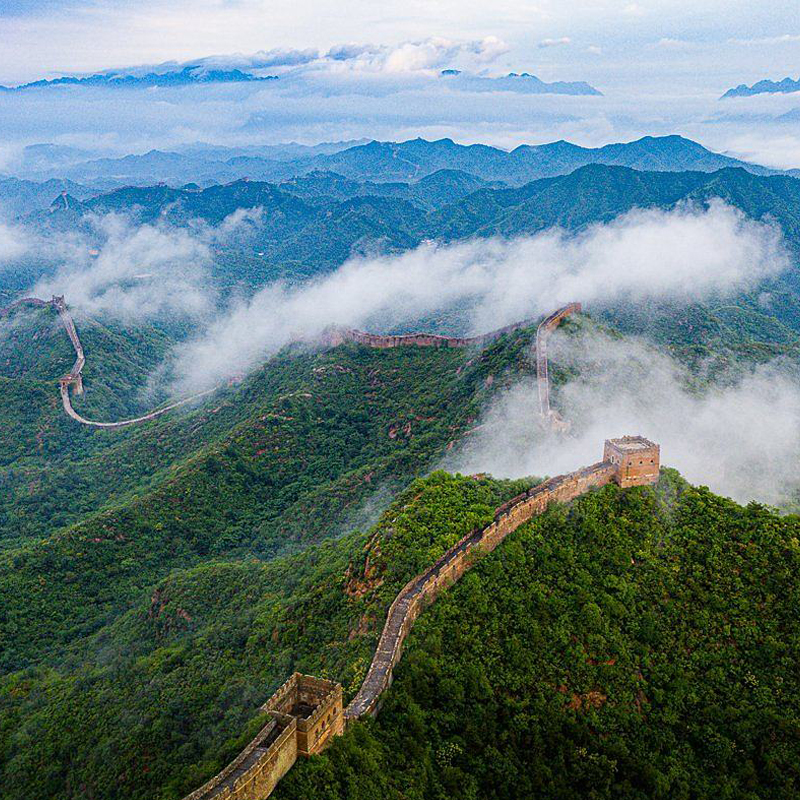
(156,700)
(637,644)
(157,583)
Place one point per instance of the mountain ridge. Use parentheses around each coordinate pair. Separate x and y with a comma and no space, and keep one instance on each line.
(188,75)
(408,160)
(765,86)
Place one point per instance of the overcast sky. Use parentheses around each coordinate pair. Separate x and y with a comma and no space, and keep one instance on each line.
(716,40)
(661,65)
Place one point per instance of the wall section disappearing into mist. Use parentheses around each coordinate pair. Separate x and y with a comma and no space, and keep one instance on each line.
(742,440)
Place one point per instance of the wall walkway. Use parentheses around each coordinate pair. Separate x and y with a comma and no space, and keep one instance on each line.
(74,378)
(410,601)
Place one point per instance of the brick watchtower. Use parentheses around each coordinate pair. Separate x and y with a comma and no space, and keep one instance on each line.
(636,460)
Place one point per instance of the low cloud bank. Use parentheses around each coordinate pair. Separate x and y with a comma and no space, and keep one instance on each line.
(686,254)
(14,243)
(136,272)
(742,440)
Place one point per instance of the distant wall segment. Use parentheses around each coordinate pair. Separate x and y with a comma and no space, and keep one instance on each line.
(74,378)
(336,336)
(552,419)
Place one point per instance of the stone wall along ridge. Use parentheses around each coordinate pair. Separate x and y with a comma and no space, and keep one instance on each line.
(551,418)
(423,589)
(74,378)
(406,607)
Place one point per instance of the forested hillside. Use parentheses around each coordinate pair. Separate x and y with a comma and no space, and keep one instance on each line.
(158,582)
(171,683)
(638,644)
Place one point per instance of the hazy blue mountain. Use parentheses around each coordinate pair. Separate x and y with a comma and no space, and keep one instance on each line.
(785,86)
(404,162)
(432,191)
(21,197)
(413,159)
(313,223)
(285,151)
(202,163)
(178,77)
(598,193)
(538,86)
(46,159)
(447,204)
(524,83)
(155,166)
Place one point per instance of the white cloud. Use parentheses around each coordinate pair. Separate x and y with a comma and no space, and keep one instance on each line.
(139,272)
(683,254)
(781,151)
(554,42)
(14,243)
(633,10)
(427,54)
(786,38)
(674,44)
(739,439)
(422,55)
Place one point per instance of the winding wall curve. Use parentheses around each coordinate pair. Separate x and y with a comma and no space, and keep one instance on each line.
(423,589)
(74,377)
(259,768)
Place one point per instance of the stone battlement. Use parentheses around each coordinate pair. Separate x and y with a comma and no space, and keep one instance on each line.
(314,706)
(337,336)
(636,458)
(306,712)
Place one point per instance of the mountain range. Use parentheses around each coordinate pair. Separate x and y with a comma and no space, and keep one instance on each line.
(159,582)
(201,73)
(785,86)
(119,80)
(379,162)
(523,82)
(311,225)
(444,205)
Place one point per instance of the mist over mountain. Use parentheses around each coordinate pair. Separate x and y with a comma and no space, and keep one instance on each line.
(228,529)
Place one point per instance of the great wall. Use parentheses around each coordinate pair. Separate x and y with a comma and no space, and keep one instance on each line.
(332,338)
(74,377)
(307,712)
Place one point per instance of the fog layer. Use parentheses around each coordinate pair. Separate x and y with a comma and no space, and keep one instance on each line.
(686,254)
(741,439)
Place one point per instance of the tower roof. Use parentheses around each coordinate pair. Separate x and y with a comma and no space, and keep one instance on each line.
(631,444)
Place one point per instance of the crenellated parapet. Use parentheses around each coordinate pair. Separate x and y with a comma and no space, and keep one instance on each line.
(380,341)
(306,712)
(315,705)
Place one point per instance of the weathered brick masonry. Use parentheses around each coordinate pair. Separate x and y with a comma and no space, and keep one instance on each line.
(310,710)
